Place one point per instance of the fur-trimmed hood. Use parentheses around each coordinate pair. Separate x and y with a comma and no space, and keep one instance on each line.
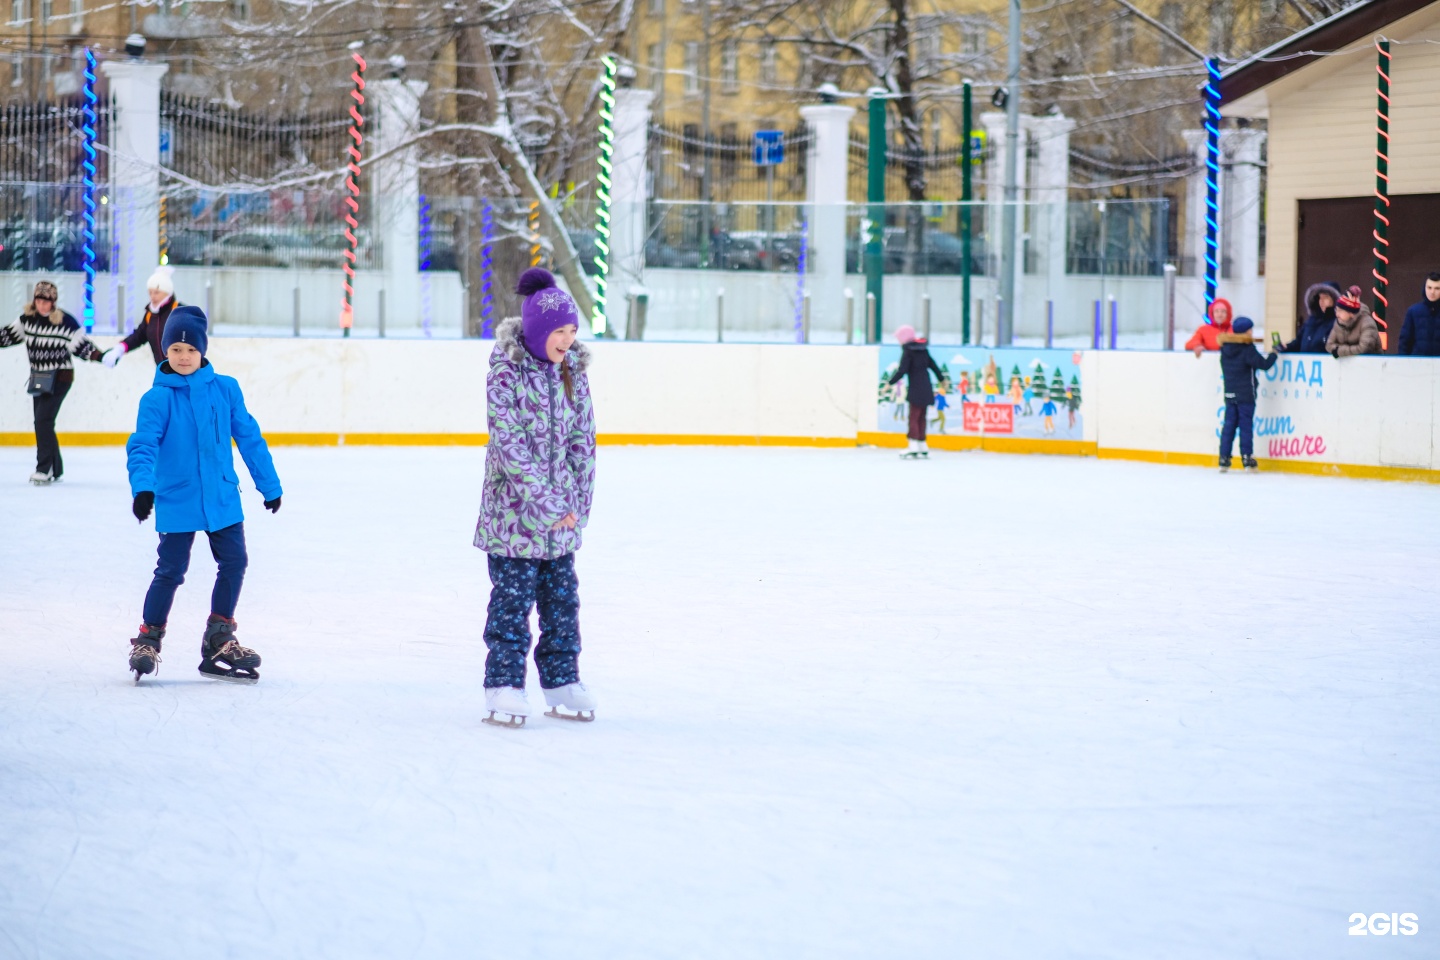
(1312,299)
(509,342)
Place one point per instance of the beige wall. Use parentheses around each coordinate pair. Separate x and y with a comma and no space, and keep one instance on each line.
(1322,141)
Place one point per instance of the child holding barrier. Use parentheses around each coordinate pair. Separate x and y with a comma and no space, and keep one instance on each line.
(1240,360)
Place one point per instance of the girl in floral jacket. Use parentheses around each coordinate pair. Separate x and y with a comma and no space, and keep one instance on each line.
(539,480)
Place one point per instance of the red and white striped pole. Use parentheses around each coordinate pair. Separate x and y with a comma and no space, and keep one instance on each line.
(1381,233)
(352,187)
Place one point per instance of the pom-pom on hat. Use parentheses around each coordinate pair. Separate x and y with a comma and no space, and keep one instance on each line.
(187,325)
(547,308)
(1350,300)
(1243,325)
(163,279)
(905,334)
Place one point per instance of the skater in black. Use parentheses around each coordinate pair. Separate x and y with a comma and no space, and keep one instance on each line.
(916,363)
(51,336)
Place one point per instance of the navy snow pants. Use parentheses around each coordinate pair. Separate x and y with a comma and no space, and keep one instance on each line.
(227,545)
(1240,415)
(517,586)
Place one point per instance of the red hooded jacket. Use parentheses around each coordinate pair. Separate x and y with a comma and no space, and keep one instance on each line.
(1207,336)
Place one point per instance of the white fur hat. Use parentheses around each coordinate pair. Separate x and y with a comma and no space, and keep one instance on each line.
(162,279)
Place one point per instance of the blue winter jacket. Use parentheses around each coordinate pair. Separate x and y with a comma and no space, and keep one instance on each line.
(1420,334)
(1239,361)
(180,450)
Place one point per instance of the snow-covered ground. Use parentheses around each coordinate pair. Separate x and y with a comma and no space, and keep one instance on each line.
(985,706)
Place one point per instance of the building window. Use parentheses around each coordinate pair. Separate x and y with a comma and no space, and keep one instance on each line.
(1122,32)
(927,51)
(730,66)
(729,151)
(657,8)
(47,10)
(18,12)
(1172,15)
(17,70)
(973,39)
(655,59)
(692,67)
(768,60)
(77,14)
(240,9)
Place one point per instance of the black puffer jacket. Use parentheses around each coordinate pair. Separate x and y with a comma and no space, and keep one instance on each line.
(1313,331)
(1420,334)
(151,329)
(1239,362)
(915,363)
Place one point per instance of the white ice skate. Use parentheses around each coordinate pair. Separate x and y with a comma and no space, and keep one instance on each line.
(918,450)
(573,697)
(507,705)
(42,479)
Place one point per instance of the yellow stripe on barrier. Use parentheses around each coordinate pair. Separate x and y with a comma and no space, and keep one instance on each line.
(1012,445)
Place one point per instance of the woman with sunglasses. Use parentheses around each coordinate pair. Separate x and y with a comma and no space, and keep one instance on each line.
(51,336)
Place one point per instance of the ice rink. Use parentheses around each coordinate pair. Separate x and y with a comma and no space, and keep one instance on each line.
(984,707)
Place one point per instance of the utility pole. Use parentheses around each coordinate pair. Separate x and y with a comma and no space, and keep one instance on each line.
(1005,330)
(705,135)
(966,196)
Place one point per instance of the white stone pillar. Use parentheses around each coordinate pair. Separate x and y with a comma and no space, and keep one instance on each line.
(628,195)
(1194,243)
(827,174)
(1052,192)
(1241,150)
(395,106)
(135,169)
(995,127)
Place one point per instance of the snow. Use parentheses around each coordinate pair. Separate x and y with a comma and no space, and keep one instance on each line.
(984,706)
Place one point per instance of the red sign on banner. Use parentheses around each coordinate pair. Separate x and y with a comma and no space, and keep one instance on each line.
(989,417)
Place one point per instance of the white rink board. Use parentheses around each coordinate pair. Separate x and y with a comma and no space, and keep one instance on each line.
(1371,412)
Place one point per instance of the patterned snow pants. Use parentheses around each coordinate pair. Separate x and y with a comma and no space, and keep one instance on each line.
(517,586)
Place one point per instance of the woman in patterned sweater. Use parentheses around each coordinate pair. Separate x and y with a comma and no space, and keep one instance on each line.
(50,336)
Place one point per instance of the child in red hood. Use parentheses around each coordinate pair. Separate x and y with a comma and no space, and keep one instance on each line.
(1207,337)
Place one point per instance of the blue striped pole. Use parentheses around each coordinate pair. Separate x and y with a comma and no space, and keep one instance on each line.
(1212,182)
(87,131)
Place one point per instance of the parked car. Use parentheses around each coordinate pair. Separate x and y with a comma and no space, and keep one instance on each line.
(246,249)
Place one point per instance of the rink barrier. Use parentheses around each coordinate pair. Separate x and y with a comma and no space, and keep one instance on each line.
(1367,418)
(1007,445)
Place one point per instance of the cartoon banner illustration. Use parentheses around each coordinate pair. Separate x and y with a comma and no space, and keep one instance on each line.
(1004,391)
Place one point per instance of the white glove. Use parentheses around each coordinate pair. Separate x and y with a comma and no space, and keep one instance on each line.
(113,355)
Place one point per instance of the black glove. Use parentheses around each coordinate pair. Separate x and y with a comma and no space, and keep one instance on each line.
(144,501)
(1335,353)
(273,505)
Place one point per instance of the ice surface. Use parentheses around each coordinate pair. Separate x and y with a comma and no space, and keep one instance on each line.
(985,706)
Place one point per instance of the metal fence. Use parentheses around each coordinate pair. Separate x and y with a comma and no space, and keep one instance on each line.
(680,156)
(40,185)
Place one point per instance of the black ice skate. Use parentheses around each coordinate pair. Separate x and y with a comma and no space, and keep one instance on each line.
(145,650)
(1249,464)
(222,658)
(1224,464)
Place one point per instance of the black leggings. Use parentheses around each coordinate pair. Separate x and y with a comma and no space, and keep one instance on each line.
(47,447)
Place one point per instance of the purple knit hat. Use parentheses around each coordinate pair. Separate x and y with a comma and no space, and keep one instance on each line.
(547,308)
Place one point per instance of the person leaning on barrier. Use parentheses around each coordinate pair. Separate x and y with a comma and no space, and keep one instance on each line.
(1314,330)
(1355,331)
(1420,334)
(151,328)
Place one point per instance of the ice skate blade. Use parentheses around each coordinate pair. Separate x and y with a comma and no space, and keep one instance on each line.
(583,716)
(514,723)
(230,676)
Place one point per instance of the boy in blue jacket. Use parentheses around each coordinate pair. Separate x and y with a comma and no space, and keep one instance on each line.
(1239,361)
(181,465)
